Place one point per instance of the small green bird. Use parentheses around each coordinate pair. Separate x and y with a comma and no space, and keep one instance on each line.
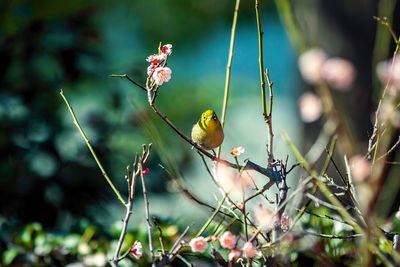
(208,132)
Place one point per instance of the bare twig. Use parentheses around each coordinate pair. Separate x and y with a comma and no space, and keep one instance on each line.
(333,236)
(160,237)
(125,76)
(269,121)
(103,171)
(391,149)
(177,245)
(132,185)
(116,258)
(328,217)
(149,227)
(184,260)
(261,60)
(228,68)
(396,242)
(190,195)
(212,217)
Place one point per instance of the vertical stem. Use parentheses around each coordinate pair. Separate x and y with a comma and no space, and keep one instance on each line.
(228,68)
(261,59)
(103,171)
(149,228)
(116,259)
(269,120)
(212,217)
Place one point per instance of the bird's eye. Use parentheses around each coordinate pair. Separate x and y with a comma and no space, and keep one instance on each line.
(205,117)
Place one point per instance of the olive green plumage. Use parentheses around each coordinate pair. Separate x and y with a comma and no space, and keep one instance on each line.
(208,132)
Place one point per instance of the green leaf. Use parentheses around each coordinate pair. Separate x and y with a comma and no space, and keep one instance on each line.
(9,255)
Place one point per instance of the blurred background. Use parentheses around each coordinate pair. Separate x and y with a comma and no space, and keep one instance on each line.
(47,173)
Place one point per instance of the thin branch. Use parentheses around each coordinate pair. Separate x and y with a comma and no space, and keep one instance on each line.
(103,172)
(328,217)
(385,23)
(177,245)
(269,121)
(261,60)
(125,76)
(212,217)
(396,242)
(333,236)
(228,68)
(391,149)
(321,202)
(116,258)
(131,196)
(160,236)
(190,195)
(149,227)
(184,260)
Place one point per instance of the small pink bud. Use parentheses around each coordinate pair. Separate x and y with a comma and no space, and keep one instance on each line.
(285,223)
(240,206)
(146,171)
(166,49)
(136,250)
(214,238)
(237,151)
(155,59)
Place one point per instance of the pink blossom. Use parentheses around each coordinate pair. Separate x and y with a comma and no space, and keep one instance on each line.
(234,254)
(285,223)
(360,168)
(214,238)
(228,240)
(310,106)
(198,244)
(136,250)
(310,65)
(249,251)
(390,74)
(161,75)
(156,59)
(240,206)
(146,171)
(166,49)
(237,151)
(233,182)
(339,73)
(263,216)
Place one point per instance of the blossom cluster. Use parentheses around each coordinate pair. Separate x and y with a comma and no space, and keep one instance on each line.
(156,71)
(316,67)
(227,241)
